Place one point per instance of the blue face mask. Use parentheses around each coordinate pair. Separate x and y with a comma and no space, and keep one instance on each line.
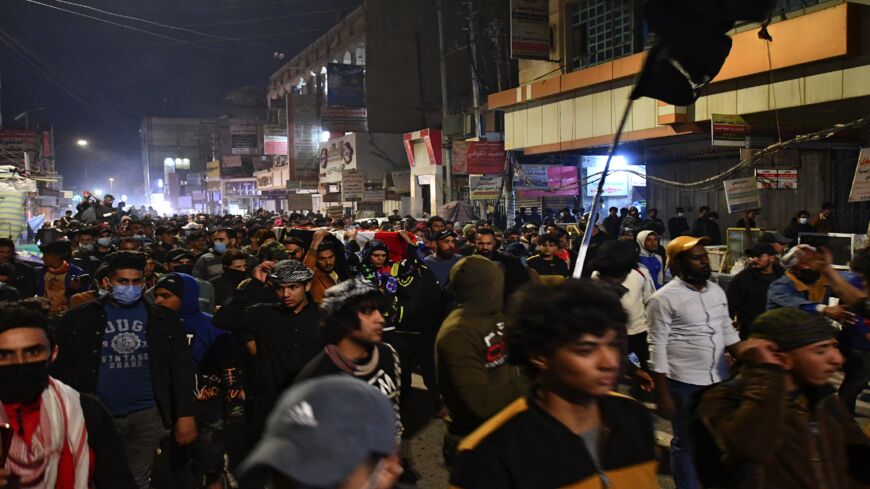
(105,242)
(126,294)
(86,247)
(220,248)
(102,292)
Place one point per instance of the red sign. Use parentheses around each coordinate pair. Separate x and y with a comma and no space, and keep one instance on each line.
(561,180)
(478,157)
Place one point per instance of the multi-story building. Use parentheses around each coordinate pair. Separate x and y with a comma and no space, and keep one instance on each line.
(814,74)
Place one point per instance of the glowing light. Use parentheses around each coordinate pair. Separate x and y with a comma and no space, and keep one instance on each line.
(324,136)
(168,162)
(98,192)
(160,183)
(82,142)
(124,197)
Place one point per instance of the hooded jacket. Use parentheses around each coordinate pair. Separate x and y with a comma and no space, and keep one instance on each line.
(201,333)
(473,376)
(651,260)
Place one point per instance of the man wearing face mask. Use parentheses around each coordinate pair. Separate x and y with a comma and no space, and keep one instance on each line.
(747,291)
(97,291)
(104,242)
(134,357)
(800,224)
(208,266)
(234,263)
(804,288)
(84,256)
(60,438)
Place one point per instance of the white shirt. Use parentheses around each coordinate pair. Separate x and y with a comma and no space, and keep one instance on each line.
(688,332)
(640,288)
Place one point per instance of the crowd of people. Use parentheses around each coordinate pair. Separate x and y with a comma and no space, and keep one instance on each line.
(277,350)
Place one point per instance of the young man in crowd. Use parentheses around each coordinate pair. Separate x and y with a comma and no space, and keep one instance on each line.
(165,240)
(85,256)
(515,273)
(824,222)
(779,422)
(180,260)
(747,291)
(803,287)
(474,378)
(208,266)
(546,263)
(689,333)
(213,354)
(282,335)
(133,357)
(234,263)
(648,241)
(445,256)
(353,330)
(299,447)
(678,224)
(25,277)
(57,280)
(60,438)
(570,339)
(320,259)
(197,243)
(612,223)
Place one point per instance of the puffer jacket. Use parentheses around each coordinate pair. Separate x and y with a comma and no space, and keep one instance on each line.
(774,439)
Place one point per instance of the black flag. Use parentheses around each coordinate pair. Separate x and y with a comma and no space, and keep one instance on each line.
(691,44)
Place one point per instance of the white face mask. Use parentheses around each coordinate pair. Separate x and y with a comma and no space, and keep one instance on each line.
(803,220)
(679,214)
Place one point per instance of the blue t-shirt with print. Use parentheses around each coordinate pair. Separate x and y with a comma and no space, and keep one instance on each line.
(124,383)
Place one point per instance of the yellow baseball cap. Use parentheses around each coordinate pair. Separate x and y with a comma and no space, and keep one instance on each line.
(682,244)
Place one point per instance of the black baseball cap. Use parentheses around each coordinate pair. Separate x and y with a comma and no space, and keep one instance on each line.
(759,249)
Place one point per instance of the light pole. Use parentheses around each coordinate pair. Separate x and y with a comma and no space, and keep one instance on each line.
(111,184)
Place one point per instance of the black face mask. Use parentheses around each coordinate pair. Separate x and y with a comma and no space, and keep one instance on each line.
(23,382)
(807,276)
(188,269)
(235,276)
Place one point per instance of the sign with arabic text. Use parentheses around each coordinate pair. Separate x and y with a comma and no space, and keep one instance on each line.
(478,157)
(484,187)
(861,182)
(530,29)
(741,194)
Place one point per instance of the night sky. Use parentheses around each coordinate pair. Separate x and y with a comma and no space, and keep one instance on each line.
(122,75)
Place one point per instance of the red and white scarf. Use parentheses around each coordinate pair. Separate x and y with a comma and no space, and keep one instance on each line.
(61,421)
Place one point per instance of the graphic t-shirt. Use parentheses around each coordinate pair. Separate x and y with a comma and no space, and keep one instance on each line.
(124,383)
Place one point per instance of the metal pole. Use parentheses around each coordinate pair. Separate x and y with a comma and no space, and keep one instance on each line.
(475,82)
(445,153)
(593,213)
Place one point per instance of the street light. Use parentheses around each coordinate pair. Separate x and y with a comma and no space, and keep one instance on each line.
(82,143)
(111,184)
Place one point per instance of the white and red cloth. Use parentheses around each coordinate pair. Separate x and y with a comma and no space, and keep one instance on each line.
(61,422)
(398,247)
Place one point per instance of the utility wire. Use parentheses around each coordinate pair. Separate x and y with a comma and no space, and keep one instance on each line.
(125,26)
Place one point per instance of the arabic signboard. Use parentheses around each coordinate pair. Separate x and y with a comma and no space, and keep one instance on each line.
(345,85)
(244,138)
(299,202)
(484,187)
(373,195)
(861,182)
(213,169)
(342,119)
(401,181)
(777,178)
(547,181)
(353,185)
(615,185)
(741,194)
(478,157)
(530,29)
(274,140)
(728,130)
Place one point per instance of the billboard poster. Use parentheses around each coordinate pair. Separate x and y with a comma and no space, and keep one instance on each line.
(274,140)
(484,187)
(305,136)
(345,85)
(547,181)
(861,181)
(530,29)
(244,139)
(478,157)
(741,194)
(336,155)
(776,178)
(373,195)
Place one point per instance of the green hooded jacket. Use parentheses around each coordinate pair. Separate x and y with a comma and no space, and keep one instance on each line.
(473,376)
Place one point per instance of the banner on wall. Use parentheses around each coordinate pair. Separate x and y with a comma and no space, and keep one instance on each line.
(776,178)
(352,185)
(484,187)
(530,29)
(861,181)
(346,85)
(547,181)
(478,157)
(274,140)
(741,194)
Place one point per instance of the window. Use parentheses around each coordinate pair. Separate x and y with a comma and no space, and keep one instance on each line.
(348,59)
(361,54)
(603,30)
